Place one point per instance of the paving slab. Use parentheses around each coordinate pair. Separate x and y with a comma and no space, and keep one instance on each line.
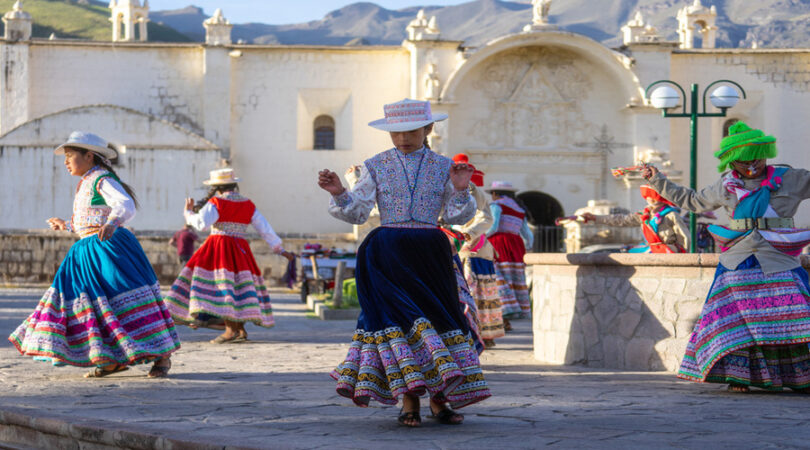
(274,392)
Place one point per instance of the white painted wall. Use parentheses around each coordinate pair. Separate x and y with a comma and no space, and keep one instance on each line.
(256,104)
(281,178)
(162,162)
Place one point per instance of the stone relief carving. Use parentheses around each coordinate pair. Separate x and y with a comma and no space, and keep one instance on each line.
(432,83)
(534,96)
(540,11)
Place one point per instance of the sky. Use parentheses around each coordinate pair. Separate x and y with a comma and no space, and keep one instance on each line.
(284,11)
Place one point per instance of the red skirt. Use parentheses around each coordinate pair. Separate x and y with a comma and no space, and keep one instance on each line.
(509,246)
(222,279)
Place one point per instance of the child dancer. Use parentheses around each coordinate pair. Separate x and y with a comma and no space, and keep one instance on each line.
(104,307)
(661,224)
(222,278)
(412,338)
(510,235)
(754,328)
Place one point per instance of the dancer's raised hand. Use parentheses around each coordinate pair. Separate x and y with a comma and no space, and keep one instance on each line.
(649,171)
(460,174)
(330,182)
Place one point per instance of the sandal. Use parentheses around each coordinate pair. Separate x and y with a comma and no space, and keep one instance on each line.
(738,388)
(99,372)
(241,337)
(409,416)
(447,416)
(159,371)
(222,339)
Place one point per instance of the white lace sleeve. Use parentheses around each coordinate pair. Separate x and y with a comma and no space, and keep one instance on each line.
(266,231)
(354,205)
(459,206)
(207,216)
(123,207)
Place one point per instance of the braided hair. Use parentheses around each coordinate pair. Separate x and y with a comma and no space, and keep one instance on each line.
(212,191)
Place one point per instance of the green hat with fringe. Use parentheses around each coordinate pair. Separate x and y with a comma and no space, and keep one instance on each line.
(744,143)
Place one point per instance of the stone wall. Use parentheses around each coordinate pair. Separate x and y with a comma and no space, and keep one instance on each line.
(617,311)
(33,256)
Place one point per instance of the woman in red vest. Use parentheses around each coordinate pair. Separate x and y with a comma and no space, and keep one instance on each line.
(511,236)
(222,278)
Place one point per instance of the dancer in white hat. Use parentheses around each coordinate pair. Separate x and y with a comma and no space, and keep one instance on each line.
(412,337)
(222,279)
(104,307)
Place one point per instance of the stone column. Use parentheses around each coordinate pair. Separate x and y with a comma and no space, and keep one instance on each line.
(15,62)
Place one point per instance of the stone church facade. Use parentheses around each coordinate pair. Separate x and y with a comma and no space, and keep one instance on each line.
(548,110)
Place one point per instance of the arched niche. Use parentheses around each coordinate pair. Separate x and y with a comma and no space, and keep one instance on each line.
(542,210)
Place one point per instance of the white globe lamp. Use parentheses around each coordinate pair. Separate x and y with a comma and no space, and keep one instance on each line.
(724,97)
(664,97)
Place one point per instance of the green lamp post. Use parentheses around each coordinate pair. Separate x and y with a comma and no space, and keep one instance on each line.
(664,97)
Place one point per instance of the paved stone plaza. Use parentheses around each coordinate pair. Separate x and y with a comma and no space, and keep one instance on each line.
(274,392)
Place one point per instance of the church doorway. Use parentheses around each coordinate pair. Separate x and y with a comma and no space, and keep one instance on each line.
(542,210)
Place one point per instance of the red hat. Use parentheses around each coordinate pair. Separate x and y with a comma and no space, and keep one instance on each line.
(459,158)
(477,178)
(648,192)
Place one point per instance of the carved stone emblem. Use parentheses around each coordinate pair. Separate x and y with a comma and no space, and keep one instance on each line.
(534,95)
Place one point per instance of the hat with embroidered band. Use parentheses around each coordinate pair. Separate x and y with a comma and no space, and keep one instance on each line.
(406,115)
(648,192)
(220,176)
(88,141)
(744,143)
(501,186)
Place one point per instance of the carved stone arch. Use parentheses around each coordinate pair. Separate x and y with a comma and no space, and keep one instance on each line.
(117,123)
(613,62)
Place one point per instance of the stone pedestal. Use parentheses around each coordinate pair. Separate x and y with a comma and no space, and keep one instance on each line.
(618,311)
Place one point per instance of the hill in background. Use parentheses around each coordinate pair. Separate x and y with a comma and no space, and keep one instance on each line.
(771,23)
(81,20)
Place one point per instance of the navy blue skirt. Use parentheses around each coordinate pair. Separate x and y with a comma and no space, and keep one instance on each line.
(412,336)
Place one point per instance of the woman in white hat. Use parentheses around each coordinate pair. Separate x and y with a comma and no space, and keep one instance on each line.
(412,337)
(511,236)
(104,307)
(222,279)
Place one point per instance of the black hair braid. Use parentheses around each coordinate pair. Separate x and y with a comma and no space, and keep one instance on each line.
(212,191)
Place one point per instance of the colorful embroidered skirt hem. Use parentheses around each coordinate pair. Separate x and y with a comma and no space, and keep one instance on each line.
(754,329)
(386,364)
(238,297)
(480,275)
(104,307)
(512,289)
(412,335)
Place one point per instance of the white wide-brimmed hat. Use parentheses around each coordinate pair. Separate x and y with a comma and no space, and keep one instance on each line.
(406,115)
(501,186)
(88,141)
(220,177)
